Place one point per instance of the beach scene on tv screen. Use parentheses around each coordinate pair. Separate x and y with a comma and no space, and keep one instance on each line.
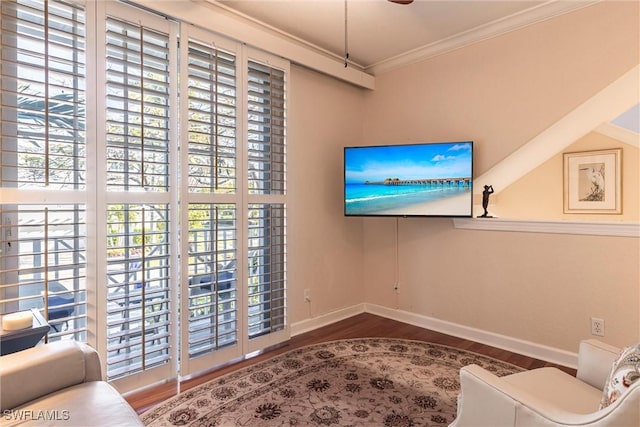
(418,179)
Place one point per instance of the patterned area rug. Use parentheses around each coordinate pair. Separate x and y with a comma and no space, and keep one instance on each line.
(356,382)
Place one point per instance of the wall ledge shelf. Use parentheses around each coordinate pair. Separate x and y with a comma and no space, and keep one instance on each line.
(618,229)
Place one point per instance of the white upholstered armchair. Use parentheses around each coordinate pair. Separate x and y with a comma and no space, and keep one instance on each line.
(548,396)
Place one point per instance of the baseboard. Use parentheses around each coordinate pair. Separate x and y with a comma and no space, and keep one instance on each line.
(527,348)
(326,319)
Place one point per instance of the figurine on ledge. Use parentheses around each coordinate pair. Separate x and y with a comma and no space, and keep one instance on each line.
(488,190)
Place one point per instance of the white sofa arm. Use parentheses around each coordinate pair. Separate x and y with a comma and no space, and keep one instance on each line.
(595,360)
(92,363)
(36,372)
(625,412)
(483,400)
(488,400)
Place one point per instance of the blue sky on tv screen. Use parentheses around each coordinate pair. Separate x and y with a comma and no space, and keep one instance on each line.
(416,161)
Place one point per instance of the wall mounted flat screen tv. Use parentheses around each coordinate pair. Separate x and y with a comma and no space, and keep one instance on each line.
(423,179)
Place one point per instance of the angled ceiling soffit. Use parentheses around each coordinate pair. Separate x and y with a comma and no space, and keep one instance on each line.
(617,98)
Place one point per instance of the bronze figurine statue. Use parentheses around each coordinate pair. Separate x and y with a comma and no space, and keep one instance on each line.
(488,190)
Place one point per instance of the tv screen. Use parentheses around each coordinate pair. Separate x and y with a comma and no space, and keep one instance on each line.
(425,179)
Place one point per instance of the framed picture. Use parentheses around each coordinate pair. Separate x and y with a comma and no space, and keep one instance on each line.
(592,182)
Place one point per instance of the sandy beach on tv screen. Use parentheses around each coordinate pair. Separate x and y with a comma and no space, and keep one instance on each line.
(457,205)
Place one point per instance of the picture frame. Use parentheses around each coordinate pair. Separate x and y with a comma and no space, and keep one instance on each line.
(592,182)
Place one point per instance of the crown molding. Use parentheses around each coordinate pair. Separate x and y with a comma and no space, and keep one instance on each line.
(542,12)
(235,25)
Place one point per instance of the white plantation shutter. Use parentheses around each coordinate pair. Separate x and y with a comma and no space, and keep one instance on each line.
(44,265)
(266,269)
(139,212)
(42,149)
(137,107)
(266,238)
(138,293)
(142,186)
(210,292)
(211,119)
(43,84)
(212,289)
(266,125)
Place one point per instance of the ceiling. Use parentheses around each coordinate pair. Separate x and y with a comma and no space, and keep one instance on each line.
(379,31)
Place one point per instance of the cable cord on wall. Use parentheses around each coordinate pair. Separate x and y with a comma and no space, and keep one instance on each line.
(397,265)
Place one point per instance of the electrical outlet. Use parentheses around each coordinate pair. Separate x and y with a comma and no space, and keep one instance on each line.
(597,327)
(307,295)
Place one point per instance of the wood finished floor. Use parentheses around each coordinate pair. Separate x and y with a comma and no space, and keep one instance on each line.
(360,326)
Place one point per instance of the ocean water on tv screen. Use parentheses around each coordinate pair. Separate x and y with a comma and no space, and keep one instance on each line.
(372,199)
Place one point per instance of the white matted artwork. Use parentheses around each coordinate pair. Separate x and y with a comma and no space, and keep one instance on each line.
(592,182)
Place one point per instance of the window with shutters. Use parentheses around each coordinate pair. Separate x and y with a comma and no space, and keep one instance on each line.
(137,97)
(266,135)
(266,178)
(139,215)
(212,285)
(212,227)
(212,110)
(43,78)
(148,214)
(212,195)
(42,244)
(44,265)
(138,294)
(266,296)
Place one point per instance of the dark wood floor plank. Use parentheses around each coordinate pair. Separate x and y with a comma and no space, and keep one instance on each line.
(361,326)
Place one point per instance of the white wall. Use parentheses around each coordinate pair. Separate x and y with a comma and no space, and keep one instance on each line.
(501,93)
(324,248)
